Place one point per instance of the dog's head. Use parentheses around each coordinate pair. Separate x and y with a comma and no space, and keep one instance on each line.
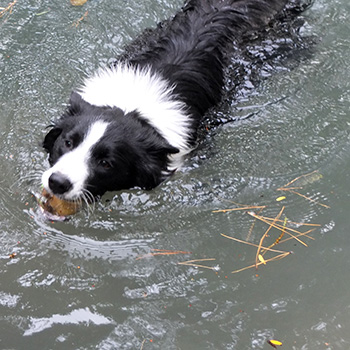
(97,149)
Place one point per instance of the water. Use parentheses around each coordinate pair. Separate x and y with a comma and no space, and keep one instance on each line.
(92,283)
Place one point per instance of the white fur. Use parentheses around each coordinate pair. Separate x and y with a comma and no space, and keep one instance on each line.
(148,93)
(74,165)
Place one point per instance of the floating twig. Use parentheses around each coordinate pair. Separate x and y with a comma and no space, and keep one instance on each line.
(306,197)
(77,22)
(155,252)
(309,178)
(193,263)
(252,226)
(264,235)
(278,238)
(289,222)
(252,244)
(237,209)
(301,181)
(299,235)
(277,257)
(8,9)
(279,227)
(282,228)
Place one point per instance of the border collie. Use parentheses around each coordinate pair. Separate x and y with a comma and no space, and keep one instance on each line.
(131,124)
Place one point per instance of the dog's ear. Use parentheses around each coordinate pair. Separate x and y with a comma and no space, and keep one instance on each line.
(50,138)
(160,145)
(170,149)
(76,104)
(152,168)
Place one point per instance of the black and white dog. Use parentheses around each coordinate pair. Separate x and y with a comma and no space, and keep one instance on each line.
(131,125)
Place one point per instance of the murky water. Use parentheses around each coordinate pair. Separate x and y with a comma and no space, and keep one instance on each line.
(93,283)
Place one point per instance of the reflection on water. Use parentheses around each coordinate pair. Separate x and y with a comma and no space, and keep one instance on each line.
(92,282)
(76,317)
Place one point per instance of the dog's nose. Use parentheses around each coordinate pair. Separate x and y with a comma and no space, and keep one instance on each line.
(59,184)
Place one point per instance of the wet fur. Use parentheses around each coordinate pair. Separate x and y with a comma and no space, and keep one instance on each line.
(149,104)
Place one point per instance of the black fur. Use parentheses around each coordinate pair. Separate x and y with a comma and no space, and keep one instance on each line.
(189,52)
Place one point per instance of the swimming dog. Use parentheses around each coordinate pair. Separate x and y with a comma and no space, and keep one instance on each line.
(131,124)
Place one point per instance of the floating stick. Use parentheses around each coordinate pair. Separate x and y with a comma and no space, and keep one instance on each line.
(312,179)
(279,227)
(306,197)
(290,222)
(77,22)
(8,9)
(162,252)
(252,226)
(253,245)
(303,176)
(191,263)
(300,235)
(277,257)
(242,208)
(279,237)
(264,235)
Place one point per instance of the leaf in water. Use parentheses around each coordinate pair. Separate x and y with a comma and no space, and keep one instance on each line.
(274,343)
(78,2)
(261,259)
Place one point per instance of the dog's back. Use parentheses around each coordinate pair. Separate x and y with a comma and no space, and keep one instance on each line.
(131,124)
(188,50)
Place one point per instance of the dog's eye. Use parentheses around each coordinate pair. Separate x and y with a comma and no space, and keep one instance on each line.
(68,144)
(105,164)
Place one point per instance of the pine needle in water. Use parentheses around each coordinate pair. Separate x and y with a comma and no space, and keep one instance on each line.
(305,179)
(237,209)
(264,236)
(194,263)
(301,181)
(306,197)
(77,22)
(155,252)
(8,9)
(253,245)
(289,222)
(278,238)
(277,257)
(279,227)
(252,226)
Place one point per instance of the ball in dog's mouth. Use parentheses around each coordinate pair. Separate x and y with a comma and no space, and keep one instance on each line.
(56,206)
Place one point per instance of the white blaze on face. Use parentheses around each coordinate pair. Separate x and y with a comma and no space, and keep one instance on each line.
(74,165)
